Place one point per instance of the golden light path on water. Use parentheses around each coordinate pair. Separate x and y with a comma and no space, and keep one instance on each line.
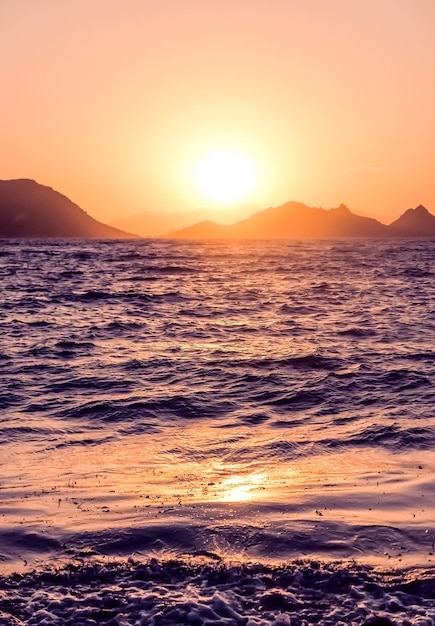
(155,479)
(156,470)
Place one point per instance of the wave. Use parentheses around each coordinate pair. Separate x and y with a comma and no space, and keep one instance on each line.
(394,437)
(198,406)
(202,592)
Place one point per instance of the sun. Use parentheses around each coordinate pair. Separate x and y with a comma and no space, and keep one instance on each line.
(225,176)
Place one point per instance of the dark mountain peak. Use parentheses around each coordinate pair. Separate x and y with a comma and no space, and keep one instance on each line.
(28,209)
(421,210)
(416,222)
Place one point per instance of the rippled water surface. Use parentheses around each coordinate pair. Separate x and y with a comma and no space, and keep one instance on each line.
(243,400)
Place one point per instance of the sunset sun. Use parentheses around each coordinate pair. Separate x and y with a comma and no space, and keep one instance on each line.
(225,176)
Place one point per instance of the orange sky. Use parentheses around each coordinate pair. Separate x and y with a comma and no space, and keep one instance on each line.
(110,101)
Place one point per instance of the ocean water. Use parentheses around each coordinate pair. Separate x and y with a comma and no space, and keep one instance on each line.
(217,432)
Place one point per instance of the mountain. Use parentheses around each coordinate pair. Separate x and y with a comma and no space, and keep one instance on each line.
(291,220)
(28,209)
(416,222)
(155,224)
(206,230)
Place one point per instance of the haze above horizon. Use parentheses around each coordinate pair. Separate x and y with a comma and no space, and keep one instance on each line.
(115,104)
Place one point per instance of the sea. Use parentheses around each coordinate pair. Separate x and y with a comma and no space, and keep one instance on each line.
(217,432)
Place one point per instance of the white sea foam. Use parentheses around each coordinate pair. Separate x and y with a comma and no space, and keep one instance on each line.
(176,592)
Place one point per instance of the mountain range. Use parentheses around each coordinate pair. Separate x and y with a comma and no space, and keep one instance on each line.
(296,220)
(28,209)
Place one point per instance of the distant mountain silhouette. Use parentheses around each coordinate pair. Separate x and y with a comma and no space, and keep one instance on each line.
(416,222)
(28,209)
(157,224)
(292,220)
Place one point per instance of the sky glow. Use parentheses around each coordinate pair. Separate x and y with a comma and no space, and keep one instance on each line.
(334,100)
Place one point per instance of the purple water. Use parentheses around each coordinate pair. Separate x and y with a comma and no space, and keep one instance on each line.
(254,417)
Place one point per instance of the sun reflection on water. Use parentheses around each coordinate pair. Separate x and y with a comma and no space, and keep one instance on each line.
(241,488)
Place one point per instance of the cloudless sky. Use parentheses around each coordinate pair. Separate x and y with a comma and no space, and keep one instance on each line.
(112,101)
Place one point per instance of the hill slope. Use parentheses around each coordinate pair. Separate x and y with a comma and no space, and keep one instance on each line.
(28,209)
